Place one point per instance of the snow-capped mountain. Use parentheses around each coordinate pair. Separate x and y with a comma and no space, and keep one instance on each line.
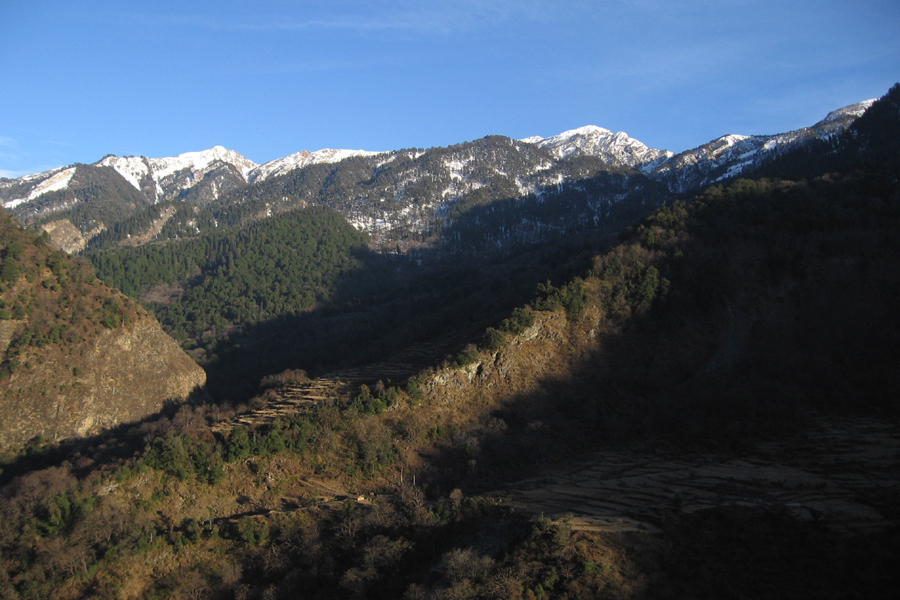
(49,181)
(194,166)
(155,176)
(730,155)
(172,177)
(723,157)
(615,149)
(396,194)
(301,159)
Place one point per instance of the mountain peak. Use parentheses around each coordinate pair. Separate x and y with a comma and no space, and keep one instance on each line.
(616,149)
(135,168)
(301,159)
(853,111)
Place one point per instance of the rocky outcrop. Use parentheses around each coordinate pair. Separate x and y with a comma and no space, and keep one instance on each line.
(65,236)
(552,348)
(122,375)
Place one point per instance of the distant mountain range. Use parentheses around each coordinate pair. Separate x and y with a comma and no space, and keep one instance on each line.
(391,195)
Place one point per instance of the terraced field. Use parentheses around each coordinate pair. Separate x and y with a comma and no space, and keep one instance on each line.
(839,475)
(346,383)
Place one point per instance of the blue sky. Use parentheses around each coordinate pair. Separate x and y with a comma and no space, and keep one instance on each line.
(268,78)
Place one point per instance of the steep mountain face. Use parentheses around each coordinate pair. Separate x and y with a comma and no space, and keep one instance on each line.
(730,155)
(76,356)
(167,178)
(119,375)
(615,149)
(398,197)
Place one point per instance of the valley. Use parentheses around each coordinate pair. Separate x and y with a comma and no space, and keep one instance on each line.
(572,367)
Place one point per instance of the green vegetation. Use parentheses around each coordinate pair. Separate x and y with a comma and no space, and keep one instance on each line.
(712,325)
(95,198)
(56,300)
(235,279)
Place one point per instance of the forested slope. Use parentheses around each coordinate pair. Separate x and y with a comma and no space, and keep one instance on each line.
(722,326)
(238,278)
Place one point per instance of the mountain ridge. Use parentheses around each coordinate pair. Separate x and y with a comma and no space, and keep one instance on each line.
(401,198)
(615,148)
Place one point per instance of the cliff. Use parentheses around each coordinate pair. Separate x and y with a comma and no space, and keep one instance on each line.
(552,348)
(75,355)
(122,375)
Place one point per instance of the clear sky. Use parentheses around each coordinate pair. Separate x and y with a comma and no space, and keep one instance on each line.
(79,80)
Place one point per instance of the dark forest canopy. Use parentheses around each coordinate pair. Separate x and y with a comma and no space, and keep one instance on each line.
(232,278)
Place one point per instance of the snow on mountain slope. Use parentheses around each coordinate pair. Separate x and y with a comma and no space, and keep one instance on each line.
(132,168)
(615,149)
(166,178)
(135,168)
(835,122)
(722,157)
(730,155)
(301,159)
(204,176)
(852,112)
(58,179)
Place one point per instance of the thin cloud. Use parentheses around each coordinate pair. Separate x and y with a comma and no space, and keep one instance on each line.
(7,142)
(311,66)
(411,17)
(656,68)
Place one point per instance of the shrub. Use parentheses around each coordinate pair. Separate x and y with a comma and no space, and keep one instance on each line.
(518,322)
(493,339)
(468,356)
(237,446)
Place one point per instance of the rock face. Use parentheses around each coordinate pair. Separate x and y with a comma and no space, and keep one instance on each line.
(551,348)
(128,373)
(65,235)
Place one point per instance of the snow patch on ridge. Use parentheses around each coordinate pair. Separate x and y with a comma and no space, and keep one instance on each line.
(135,168)
(616,149)
(132,168)
(199,161)
(853,111)
(301,159)
(57,181)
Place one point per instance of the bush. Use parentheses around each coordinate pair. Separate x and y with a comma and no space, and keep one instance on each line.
(518,322)
(468,356)
(570,297)
(252,531)
(237,446)
(414,390)
(493,339)
(170,455)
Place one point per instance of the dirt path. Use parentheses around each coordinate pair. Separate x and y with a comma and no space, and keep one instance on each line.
(834,475)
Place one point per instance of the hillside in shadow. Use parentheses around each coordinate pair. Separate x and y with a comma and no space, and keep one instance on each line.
(392,303)
(715,393)
(489,260)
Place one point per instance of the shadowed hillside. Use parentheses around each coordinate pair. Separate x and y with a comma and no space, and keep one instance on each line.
(714,397)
